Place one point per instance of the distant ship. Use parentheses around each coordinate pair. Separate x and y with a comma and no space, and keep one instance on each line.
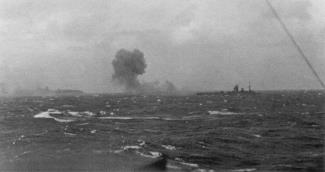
(235,90)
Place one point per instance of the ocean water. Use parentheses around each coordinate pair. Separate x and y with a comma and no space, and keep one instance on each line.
(267,131)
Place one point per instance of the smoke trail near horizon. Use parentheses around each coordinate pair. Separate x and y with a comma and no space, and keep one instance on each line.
(128,65)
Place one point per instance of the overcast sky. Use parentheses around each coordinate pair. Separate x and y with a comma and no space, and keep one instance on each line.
(196,44)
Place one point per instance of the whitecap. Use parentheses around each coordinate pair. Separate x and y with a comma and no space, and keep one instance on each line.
(117,151)
(69,134)
(116,117)
(155,154)
(88,113)
(129,118)
(204,170)
(102,112)
(215,112)
(63,120)
(169,119)
(131,147)
(149,117)
(169,147)
(54,111)
(77,114)
(257,135)
(142,142)
(190,164)
(43,115)
(48,113)
(150,155)
(245,170)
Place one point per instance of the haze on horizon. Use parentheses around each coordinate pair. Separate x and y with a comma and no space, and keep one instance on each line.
(197,45)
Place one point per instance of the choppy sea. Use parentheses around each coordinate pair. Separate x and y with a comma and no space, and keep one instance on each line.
(267,131)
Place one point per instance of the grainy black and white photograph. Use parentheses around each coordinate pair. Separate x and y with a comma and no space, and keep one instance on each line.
(162,85)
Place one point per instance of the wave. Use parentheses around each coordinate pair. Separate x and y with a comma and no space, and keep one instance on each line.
(216,112)
(245,170)
(49,113)
(64,116)
(150,154)
(70,116)
(137,118)
(129,118)
(169,147)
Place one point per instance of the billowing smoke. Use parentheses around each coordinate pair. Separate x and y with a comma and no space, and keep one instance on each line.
(128,65)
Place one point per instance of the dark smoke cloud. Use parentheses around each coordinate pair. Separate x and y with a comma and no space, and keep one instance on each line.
(128,65)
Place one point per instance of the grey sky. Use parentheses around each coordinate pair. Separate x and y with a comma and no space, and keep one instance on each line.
(198,45)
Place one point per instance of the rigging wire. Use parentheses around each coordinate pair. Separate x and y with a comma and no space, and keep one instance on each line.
(295,43)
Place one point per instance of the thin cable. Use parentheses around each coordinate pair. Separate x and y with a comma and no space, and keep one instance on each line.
(295,43)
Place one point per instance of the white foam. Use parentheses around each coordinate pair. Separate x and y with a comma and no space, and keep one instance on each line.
(215,112)
(190,164)
(69,134)
(150,155)
(102,112)
(144,155)
(142,143)
(88,113)
(54,111)
(155,154)
(203,170)
(169,147)
(117,151)
(129,118)
(245,170)
(116,117)
(63,120)
(131,147)
(169,119)
(43,115)
(77,114)
(48,113)
(257,135)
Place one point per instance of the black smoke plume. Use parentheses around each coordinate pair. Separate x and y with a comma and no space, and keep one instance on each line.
(128,65)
